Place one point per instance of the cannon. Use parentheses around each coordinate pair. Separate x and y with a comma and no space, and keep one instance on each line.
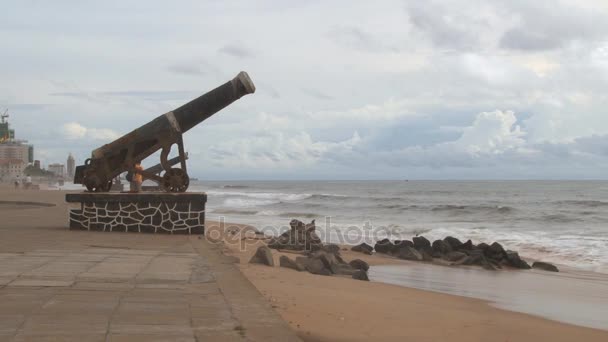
(162,133)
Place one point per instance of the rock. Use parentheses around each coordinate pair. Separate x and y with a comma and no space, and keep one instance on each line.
(400,244)
(453,242)
(262,256)
(514,260)
(441,247)
(420,243)
(359,264)
(467,246)
(328,259)
(545,266)
(427,254)
(361,275)
(487,265)
(331,248)
(363,248)
(482,246)
(300,237)
(284,261)
(455,256)
(314,266)
(409,253)
(383,246)
(495,252)
(343,269)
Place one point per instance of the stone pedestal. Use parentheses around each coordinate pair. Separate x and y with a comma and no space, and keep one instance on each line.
(168,213)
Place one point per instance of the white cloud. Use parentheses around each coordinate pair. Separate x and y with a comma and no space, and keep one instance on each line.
(492,132)
(74,130)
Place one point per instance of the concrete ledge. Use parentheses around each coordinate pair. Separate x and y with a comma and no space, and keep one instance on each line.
(179,213)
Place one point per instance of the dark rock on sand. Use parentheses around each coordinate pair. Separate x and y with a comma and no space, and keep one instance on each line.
(455,256)
(284,261)
(545,266)
(331,248)
(427,254)
(514,260)
(421,243)
(343,269)
(328,259)
(300,237)
(262,256)
(361,275)
(359,264)
(314,266)
(467,246)
(441,247)
(384,246)
(453,242)
(363,248)
(400,244)
(482,246)
(495,251)
(409,253)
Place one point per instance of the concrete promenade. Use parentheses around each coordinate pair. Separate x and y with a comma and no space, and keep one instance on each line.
(61,285)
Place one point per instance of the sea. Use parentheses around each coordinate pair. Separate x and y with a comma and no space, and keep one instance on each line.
(564,222)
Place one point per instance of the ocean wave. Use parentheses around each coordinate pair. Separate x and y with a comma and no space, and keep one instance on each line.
(234,212)
(246,202)
(472,208)
(228,186)
(298,215)
(276,196)
(584,203)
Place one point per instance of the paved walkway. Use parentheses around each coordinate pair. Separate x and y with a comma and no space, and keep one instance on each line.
(60,285)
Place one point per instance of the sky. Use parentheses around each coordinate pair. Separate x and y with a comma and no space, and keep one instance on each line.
(474,89)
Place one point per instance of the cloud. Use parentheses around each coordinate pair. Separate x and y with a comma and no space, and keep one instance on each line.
(236,50)
(317,94)
(76,131)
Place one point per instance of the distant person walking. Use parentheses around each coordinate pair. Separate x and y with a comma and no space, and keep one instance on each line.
(16,184)
(137,178)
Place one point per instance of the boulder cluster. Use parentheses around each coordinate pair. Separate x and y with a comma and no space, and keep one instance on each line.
(301,237)
(316,258)
(325,261)
(451,251)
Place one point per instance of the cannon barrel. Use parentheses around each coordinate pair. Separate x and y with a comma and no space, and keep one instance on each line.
(200,109)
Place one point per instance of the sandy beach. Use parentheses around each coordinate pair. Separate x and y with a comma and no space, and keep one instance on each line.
(336,308)
(319,308)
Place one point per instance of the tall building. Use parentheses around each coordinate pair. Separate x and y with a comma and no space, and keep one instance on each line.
(71,166)
(57,169)
(10,148)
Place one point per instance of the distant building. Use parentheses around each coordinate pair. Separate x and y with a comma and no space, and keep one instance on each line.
(57,169)
(11,169)
(10,148)
(71,166)
(37,164)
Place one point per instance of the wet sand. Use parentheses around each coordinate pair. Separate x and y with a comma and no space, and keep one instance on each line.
(570,296)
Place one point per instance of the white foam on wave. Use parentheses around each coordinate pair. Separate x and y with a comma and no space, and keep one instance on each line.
(277,196)
(246,202)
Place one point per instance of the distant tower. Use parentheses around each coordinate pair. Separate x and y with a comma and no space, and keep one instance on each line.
(71,166)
